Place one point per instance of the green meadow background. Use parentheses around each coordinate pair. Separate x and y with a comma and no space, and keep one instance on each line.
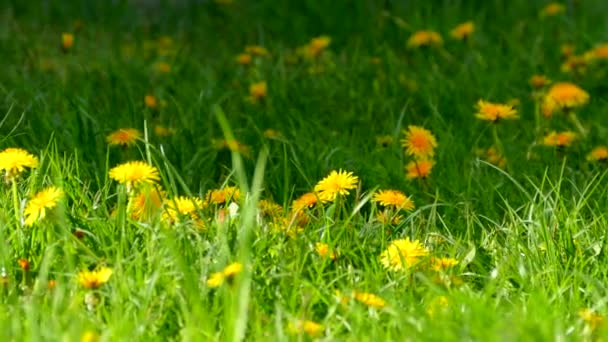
(530,238)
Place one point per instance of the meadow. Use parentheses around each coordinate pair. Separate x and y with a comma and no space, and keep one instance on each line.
(303,170)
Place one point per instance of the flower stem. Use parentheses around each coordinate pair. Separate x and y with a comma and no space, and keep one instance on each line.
(572,116)
(16,201)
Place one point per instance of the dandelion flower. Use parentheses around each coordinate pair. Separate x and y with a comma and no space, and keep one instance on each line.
(493,156)
(89,336)
(183,207)
(336,183)
(223,196)
(317,45)
(124,137)
(226,275)
(243,59)
(13,161)
(36,207)
(369,299)
(258,91)
(393,198)
(67,41)
(424,38)
(308,200)
(419,168)
(463,31)
(256,50)
(144,204)
(440,264)
(539,81)
(324,251)
(163,67)
(495,111)
(310,328)
(384,140)
(591,318)
(419,142)
(134,173)
(150,101)
(403,254)
(272,134)
(599,52)
(566,95)
(561,139)
(440,304)
(552,9)
(599,153)
(163,131)
(94,279)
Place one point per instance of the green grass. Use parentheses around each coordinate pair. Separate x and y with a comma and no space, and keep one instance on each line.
(530,238)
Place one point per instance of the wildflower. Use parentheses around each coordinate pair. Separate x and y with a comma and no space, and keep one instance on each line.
(13,162)
(393,198)
(256,50)
(144,204)
(24,264)
(419,168)
(183,207)
(574,63)
(567,50)
(424,38)
(223,196)
(384,140)
(151,102)
(51,284)
(163,131)
(94,279)
(258,91)
(67,41)
(599,153)
(272,134)
(227,275)
(599,52)
(269,208)
(561,139)
(463,31)
(37,206)
(134,173)
(440,264)
(311,328)
(591,318)
(566,96)
(552,9)
(493,156)
(243,59)
(124,137)
(386,217)
(317,45)
(369,299)
(324,251)
(440,303)
(403,254)
(419,142)
(307,200)
(336,183)
(163,67)
(495,111)
(89,336)
(539,81)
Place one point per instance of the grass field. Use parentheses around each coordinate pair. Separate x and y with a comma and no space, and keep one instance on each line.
(303,170)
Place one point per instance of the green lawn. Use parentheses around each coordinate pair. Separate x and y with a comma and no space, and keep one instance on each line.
(216,170)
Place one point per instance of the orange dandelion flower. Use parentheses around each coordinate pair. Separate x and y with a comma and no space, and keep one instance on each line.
(243,59)
(419,168)
(124,137)
(393,198)
(566,95)
(561,139)
(539,81)
(223,196)
(258,91)
(424,38)
(599,52)
(336,183)
(419,142)
(324,251)
(403,254)
(308,200)
(495,111)
(150,101)
(463,31)
(599,153)
(67,41)
(552,9)
(24,264)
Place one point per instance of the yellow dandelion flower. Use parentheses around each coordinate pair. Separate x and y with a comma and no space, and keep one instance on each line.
(258,91)
(145,204)
(151,102)
(134,173)
(226,275)
(178,208)
(424,38)
(369,299)
(463,31)
(256,50)
(552,9)
(163,131)
(539,81)
(419,168)
(403,254)
(336,183)
(215,280)
(565,95)
(493,156)
(89,336)
(324,251)
(591,318)
(495,111)
(384,140)
(67,41)
(270,208)
(94,279)
(317,45)
(310,328)
(393,198)
(419,142)
(577,64)
(223,196)
(13,161)
(36,207)
(124,137)
(440,264)
(559,139)
(308,200)
(599,153)
(599,52)
(243,59)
